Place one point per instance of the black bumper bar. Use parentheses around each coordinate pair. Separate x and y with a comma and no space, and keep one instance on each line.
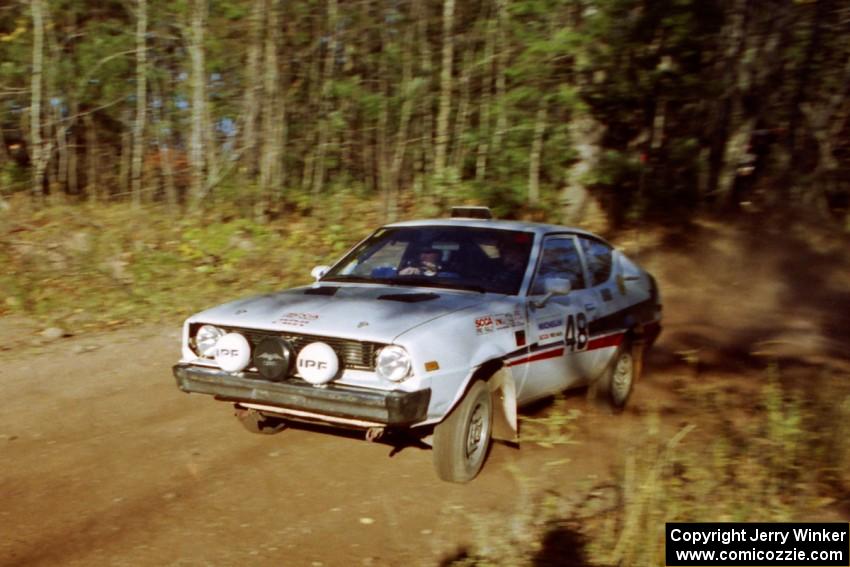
(391,408)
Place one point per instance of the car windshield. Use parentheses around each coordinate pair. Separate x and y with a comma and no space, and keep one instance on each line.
(456,257)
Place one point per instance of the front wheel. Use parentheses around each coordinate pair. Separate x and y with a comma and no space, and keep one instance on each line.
(462,440)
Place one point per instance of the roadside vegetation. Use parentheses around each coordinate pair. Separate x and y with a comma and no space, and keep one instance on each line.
(81,266)
(782,456)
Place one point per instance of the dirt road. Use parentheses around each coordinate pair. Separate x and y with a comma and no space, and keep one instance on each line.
(105,462)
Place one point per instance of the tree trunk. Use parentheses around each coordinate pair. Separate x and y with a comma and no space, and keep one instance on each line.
(501,81)
(462,118)
(61,142)
(803,73)
(39,160)
(198,81)
(586,135)
(4,152)
(325,100)
(425,150)
(310,134)
(271,119)
(382,126)
(484,108)
(727,115)
(404,120)
(253,91)
(92,187)
(536,154)
(826,122)
(141,100)
(73,173)
(445,91)
(164,147)
(54,130)
(126,156)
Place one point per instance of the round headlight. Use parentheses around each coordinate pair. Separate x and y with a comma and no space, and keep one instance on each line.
(317,363)
(233,352)
(393,363)
(206,339)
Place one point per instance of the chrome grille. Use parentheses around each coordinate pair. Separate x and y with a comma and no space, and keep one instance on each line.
(357,355)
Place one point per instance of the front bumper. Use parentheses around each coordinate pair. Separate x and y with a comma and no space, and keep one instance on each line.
(390,408)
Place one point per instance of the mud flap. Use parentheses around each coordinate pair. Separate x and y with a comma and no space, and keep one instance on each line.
(638,351)
(503,392)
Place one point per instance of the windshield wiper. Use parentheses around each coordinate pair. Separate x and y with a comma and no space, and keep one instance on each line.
(431,282)
(408,281)
(346,278)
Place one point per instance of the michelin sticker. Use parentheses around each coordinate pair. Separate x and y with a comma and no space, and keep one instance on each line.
(550,330)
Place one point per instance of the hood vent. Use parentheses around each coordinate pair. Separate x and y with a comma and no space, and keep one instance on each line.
(409,297)
(321,291)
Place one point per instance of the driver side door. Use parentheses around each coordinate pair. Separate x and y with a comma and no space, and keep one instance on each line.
(559,330)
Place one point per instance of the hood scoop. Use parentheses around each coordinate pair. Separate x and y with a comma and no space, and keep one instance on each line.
(321,291)
(409,297)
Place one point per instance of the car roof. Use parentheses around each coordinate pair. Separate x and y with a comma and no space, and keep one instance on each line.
(536,227)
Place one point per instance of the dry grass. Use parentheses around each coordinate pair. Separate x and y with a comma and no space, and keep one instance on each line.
(87,266)
(787,461)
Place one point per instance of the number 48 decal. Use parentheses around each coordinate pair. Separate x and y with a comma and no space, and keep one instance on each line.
(576,332)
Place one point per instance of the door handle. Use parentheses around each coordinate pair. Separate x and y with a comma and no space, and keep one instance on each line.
(590,306)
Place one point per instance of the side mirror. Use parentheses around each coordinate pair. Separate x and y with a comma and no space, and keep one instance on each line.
(553,287)
(319,272)
(557,286)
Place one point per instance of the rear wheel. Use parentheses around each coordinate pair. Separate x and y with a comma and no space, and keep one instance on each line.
(462,440)
(618,381)
(255,422)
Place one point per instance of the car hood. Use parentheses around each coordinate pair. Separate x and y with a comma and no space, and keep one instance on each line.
(370,313)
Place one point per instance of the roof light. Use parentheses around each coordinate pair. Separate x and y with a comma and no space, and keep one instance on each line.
(472,213)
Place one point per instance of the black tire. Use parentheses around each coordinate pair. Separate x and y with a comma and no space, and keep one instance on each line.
(255,422)
(619,379)
(462,440)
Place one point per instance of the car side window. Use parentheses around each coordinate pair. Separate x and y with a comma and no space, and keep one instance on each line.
(560,259)
(599,258)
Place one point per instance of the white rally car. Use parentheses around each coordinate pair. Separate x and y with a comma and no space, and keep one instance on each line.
(440,328)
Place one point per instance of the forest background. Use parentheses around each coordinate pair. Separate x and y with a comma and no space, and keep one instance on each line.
(144,140)
(667,106)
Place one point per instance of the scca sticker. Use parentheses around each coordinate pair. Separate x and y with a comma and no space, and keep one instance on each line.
(484,325)
(552,335)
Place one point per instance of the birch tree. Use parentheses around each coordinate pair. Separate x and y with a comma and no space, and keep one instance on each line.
(198,80)
(273,110)
(141,100)
(446,85)
(39,157)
